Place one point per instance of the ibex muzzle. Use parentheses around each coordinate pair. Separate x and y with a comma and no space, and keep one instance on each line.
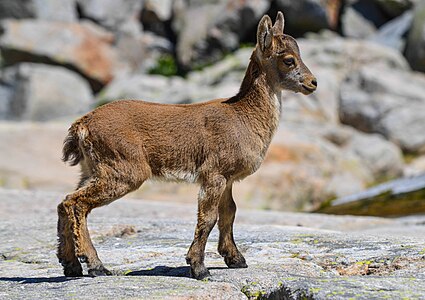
(122,144)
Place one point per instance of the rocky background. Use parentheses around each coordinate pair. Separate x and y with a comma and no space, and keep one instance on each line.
(364,125)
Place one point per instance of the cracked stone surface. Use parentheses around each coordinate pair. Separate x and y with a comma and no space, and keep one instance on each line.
(290,255)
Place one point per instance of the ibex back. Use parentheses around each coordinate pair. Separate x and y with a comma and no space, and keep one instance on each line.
(122,144)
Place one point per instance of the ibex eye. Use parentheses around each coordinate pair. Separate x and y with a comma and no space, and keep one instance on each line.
(289,61)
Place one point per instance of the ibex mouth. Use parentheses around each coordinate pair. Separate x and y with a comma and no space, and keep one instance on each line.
(309,89)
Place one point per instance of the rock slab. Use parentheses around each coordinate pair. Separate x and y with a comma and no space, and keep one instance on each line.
(144,243)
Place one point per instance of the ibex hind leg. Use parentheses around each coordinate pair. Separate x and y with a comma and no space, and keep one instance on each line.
(97,191)
(66,249)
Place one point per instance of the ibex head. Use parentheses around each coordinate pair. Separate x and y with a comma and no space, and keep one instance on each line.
(279,57)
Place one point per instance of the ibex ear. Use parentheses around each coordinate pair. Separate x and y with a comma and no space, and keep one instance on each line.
(279,24)
(264,33)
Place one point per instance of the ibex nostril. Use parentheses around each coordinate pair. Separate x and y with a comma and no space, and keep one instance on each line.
(314,82)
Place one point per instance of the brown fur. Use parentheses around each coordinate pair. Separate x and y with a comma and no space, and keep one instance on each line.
(122,144)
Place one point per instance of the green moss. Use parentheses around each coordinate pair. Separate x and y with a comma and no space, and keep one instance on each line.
(364,262)
(409,157)
(246,45)
(127,272)
(166,66)
(296,241)
(385,204)
(315,290)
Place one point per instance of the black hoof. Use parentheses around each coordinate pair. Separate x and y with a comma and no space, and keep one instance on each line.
(199,273)
(72,270)
(99,271)
(236,262)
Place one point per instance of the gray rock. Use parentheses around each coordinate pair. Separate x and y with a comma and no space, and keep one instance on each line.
(16,9)
(366,261)
(361,18)
(161,9)
(394,198)
(31,156)
(392,33)
(304,15)
(392,105)
(156,17)
(42,92)
(395,7)
(415,48)
(155,88)
(346,55)
(142,51)
(305,169)
(6,95)
(111,13)
(415,167)
(382,157)
(83,47)
(205,32)
(405,126)
(54,10)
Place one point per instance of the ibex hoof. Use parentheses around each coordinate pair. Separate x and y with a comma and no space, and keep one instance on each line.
(72,270)
(199,273)
(99,271)
(235,262)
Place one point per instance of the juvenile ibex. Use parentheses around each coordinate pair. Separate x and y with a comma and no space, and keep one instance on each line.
(122,144)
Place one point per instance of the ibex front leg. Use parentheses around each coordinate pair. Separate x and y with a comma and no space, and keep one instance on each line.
(208,200)
(226,244)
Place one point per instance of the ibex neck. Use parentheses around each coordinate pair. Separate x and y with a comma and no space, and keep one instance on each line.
(257,103)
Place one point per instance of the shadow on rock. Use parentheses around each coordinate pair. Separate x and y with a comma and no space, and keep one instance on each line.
(26,280)
(163,271)
(166,271)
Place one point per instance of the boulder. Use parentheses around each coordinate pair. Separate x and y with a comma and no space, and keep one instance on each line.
(392,105)
(31,156)
(305,169)
(415,48)
(304,15)
(361,18)
(41,92)
(111,14)
(6,94)
(83,47)
(328,50)
(53,10)
(155,88)
(56,10)
(415,166)
(383,158)
(16,9)
(406,127)
(392,33)
(395,8)
(161,10)
(398,197)
(156,17)
(205,32)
